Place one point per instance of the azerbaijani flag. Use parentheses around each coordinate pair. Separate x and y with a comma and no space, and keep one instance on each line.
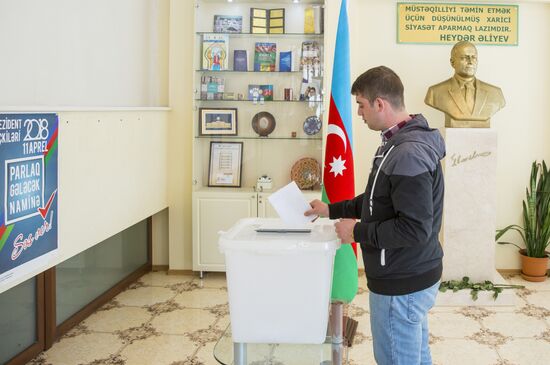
(338,174)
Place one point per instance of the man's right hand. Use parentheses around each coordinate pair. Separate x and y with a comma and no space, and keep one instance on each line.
(318,208)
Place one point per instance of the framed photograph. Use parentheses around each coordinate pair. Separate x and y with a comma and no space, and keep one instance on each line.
(217,121)
(225,164)
(228,24)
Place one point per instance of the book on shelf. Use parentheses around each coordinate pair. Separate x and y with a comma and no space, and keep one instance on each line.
(265,21)
(314,20)
(285,61)
(265,54)
(240,60)
(228,24)
(215,52)
(259,92)
(212,88)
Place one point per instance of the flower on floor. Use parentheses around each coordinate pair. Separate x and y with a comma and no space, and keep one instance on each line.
(504,362)
(136,285)
(189,360)
(489,338)
(111,360)
(111,305)
(205,335)
(533,311)
(220,310)
(545,336)
(78,330)
(164,307)
(183,287)
(356,311)
(475,312)
(434,339)
(523,293)
(39,360)
(142,332)
(360,338)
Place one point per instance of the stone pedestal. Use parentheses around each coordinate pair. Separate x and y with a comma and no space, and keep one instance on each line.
(469,214)
(470,204)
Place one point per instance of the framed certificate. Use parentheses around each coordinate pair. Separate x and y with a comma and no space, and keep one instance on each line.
(217,121)
(225,164)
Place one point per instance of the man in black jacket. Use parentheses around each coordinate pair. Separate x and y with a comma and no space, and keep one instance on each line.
(400,218)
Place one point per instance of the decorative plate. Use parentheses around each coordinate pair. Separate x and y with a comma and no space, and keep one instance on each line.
(263,123)
(306,172)
(312,125)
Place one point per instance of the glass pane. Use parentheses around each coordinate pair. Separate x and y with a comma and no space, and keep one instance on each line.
(84,277)
(17,319)
(260,353)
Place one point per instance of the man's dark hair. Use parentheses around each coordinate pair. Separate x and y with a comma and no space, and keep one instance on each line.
(380,82)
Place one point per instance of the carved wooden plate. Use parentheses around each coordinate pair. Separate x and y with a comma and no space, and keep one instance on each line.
(306,172)
(263,123)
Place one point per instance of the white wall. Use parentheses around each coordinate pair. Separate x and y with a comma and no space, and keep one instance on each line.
(113,161)
(132,164)
(522,73)
(112,174)
(83,53)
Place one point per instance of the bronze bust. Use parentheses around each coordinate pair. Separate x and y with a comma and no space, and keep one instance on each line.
(466,101)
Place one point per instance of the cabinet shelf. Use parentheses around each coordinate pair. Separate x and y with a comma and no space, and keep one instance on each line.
(265,102)
(268,35)
(263,138)
(278,73)
(239,159)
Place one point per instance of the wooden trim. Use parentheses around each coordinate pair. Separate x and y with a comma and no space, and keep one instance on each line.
(50,308)
(160,268)
(180,272)
(99,301)
(30,352)
(150,242)
(509,271)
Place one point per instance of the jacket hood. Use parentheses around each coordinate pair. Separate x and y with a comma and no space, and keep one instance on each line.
(418,130)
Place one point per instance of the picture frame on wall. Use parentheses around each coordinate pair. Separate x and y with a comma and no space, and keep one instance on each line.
(225,168)
(218,121)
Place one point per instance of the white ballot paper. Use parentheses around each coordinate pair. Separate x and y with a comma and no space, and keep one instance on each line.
(290,204)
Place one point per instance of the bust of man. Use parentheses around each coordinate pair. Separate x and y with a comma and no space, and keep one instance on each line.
(466,101)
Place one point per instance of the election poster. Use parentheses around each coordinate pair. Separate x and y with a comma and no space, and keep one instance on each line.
(28,188)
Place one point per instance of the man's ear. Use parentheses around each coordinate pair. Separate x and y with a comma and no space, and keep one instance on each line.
(452,62)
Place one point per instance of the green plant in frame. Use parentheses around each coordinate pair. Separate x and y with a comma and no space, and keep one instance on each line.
(535,232)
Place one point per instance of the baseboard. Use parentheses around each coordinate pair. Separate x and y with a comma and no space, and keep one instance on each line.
(181,272)
(509,271)
(160,268)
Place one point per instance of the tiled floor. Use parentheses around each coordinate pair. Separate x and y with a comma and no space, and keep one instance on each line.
(176,320)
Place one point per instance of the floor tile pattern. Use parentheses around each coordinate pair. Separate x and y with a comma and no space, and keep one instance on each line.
(176,320)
